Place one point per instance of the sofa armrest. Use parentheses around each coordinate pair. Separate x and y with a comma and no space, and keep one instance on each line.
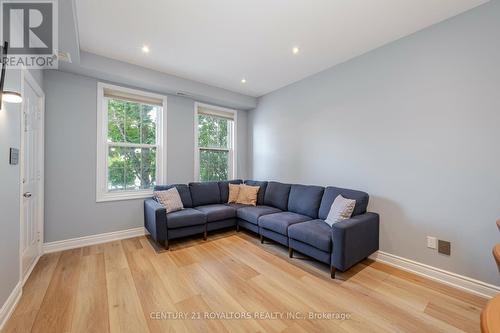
(155,220)
(354,240)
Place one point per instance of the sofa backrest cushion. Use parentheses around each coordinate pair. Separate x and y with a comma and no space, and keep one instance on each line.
(277,195)
(305,199)
(204,193)
(183,190)
(262,189)
(332,192)
(224,188)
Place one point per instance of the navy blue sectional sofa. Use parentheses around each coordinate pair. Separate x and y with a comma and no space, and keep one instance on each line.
(290,214)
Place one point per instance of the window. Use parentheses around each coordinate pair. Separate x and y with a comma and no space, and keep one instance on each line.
(130,143)
(215,142)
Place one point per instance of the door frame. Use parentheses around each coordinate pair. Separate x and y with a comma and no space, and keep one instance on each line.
(26,76)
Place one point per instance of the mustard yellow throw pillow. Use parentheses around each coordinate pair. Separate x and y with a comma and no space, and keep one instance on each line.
(248,195)
(234,190)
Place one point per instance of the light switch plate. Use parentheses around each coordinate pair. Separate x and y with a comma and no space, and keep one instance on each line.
(14,156)
(431,242)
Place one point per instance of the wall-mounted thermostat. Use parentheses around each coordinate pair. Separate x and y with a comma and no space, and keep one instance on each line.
(14,156)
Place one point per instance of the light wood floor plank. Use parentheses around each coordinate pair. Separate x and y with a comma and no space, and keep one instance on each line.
(235,276)
(124,306)
(451,317)
(56,311)
(33,293)
(430,284)
(91,305)
(93,249)
(133,286)
(152,293)
(218,299)
(171,277)
(194,306)
(132,244)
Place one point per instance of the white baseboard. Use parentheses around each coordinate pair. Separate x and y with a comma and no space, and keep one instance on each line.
(470,285)
(10,304)
(74,243)
(30,270)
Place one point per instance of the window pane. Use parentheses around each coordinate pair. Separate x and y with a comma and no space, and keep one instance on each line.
(213,165)
(213,132)
(116,121)
(131,168)
(131,122)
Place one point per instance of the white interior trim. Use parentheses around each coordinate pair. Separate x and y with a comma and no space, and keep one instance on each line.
(74,243)
(32,267)
(233,148)
(10,304)
(102,194)
(26,76)
(458,281)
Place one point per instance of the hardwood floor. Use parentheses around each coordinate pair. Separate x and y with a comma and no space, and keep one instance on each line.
(127,286)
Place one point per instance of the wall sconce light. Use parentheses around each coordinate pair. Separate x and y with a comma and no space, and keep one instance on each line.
(6,95)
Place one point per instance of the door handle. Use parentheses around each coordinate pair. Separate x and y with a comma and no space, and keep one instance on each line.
(27,195)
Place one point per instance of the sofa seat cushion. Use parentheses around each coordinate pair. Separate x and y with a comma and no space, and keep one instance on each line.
(237,205)
(185,218)
(279,222)
(315,233)
(252,213)
(217,212)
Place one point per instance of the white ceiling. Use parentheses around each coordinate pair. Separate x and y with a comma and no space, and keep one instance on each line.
(219,42)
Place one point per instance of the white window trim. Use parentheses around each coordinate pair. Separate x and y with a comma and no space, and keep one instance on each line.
(233,151)
(102,193)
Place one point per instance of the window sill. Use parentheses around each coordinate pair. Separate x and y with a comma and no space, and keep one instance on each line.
(119,196)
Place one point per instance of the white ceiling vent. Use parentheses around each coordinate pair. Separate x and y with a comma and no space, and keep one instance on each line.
(183,94)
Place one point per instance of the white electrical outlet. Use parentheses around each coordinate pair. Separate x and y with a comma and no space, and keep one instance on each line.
(431,242)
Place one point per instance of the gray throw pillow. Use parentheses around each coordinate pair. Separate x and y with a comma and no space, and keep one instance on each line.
(170,199)
(341,209)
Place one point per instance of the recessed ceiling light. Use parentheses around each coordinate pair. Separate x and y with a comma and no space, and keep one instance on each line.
(295,50)
(145,49)
(243,80)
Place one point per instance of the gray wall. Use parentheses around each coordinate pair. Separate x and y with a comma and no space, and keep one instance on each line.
(108,69)
(70,161)
(10,136)
(415,124)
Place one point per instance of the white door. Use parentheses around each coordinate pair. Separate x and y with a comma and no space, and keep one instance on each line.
(31,175)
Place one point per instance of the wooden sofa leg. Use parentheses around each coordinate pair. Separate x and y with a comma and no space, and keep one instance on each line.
(290,252)
(165,245)
(261,239)
(237,228)
(332,272)
(205,234)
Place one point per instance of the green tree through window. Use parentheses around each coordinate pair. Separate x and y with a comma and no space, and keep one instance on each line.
(215,147)
(131,145)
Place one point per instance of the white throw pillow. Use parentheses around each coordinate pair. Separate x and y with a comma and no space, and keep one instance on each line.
(341,209)
(170,199)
